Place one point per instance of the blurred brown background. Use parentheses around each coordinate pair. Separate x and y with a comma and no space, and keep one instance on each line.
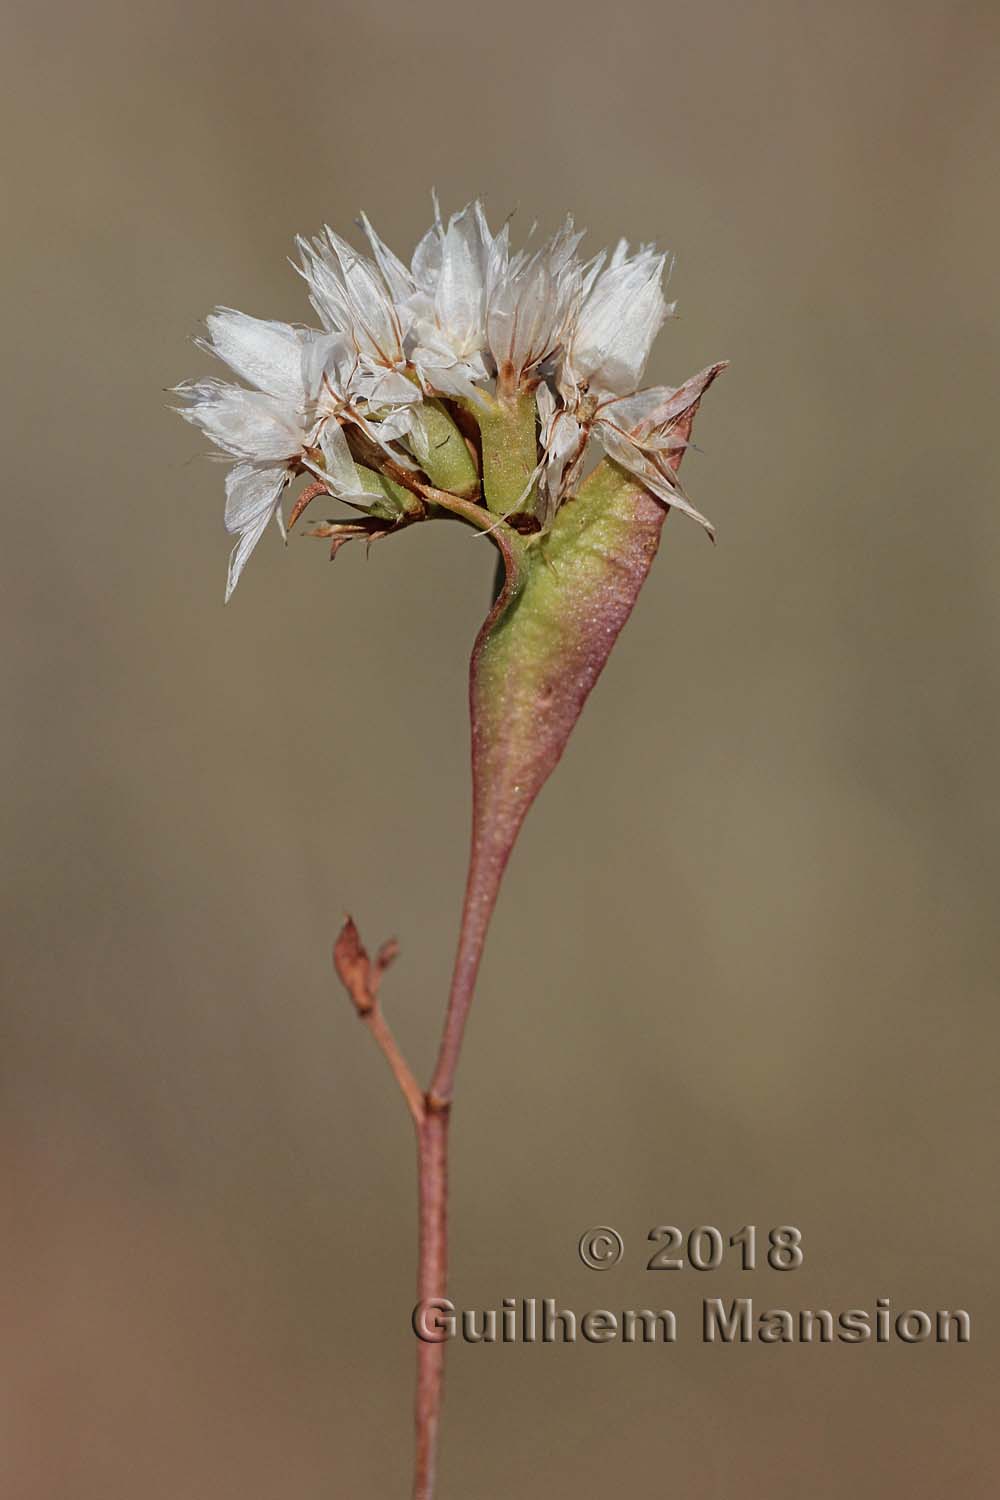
(745,967)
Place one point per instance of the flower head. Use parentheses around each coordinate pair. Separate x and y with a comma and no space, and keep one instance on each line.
(451,275)
(615,320)
(472,373)
(531,303)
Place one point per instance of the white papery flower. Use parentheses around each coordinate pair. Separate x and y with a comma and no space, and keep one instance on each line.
(351,297)
(288,422)
(530,300)
(618,314)
(614,325)
(635,431)
(563,439)
(451,272)
(470,309)
(466,322)
(441,298)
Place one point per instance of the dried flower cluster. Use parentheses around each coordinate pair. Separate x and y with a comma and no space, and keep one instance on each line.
(473,372)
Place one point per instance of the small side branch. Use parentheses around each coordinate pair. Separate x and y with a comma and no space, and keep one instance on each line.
(361,979)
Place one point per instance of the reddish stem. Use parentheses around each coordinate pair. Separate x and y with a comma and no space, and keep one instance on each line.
(485,873)
(497,815)
(486,867)
(361,978)
(432,1283)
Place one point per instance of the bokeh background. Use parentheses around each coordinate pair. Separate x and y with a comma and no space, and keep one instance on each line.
(745,968)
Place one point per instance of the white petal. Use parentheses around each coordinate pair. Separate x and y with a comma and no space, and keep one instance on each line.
(252,492)
(397,277)
(389,388)
(589,274)
(350,296)
(375,324)
(247,424)
(442,373)
(615,328)
(339,471)
(391,427)
(618,447)
(529,301)
(426,262)
(328,361)
(650,417)
(520,324)
(461,288)
(564,442)
(325,291)
(252,497)
(337,461)
(239,555)
(265,354)
(636,410)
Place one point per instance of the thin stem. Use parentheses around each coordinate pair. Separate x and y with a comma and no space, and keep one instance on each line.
(409,1087)
(431,1115)
(485,874)
(432,1285)
(482,887)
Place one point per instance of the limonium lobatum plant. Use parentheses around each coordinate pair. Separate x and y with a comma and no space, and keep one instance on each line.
(470,386)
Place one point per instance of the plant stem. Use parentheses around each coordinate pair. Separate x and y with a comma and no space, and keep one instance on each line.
(432,1284)
(431,1114)
(508,432)
(486,867)
(482,886)
(409,1087)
